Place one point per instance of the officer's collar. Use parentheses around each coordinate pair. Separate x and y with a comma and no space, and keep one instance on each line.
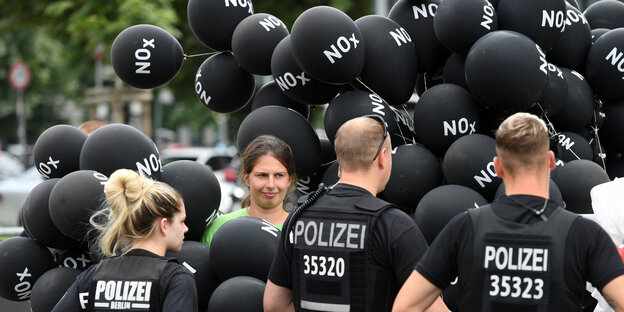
(344,189)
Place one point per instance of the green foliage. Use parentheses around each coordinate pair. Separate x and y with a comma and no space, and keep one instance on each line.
(58,38)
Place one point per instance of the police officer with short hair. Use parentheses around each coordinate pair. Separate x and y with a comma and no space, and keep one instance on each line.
(347,250)
(523,252)
(143,221)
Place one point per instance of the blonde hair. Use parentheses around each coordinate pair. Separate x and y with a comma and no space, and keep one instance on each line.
(522,142)
(356,143)
(134,204)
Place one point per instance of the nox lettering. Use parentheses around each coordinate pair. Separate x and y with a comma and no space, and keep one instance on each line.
(44,168)
(270,23)
(199,90)
(344,45)
(463,125)
(269,228)
(516,258)
(555,69)
(240,3)
(486,177)
(616,58)
(565,141)
(100,177)
(401,36)
(149,165)
(23,289)
(288,80)
(303,185)
(574,17)
(542,58)
(143,55)
(488,9)
(377,102)
(424,10)
(553,19)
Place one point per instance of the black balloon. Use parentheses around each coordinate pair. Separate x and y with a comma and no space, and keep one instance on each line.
(74,199)
(469,162)
(36,217)
(310,183)
(441,204)
(604,67)
(555,93)
(615,168)
(213,22)
(573,3)
(415,171)
(459,23)
(238,294)
(579,104)
(541,20)
(270,94)
(146,56)
(76,258)
(327,45)
(22,262)
(605,14)
(51,287)
(195,256)
(443,114)
(488,66)
(454,70)
(244,246)
(553,191)
(119,146)
(573,146)
(57,151)
(294,82)
(575,181)
(200,191)
(390,68)
(417,18)
(427,81)
(613,126)
(352,104)
(405,127)
(597,32)
(221,85)
(289,126)
(254,40)
(570,49)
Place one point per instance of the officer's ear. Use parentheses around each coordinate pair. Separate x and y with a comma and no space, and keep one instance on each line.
(382,158)
(498,167)
(551,161)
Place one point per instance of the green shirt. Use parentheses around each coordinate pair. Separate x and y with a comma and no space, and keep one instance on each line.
(218,222)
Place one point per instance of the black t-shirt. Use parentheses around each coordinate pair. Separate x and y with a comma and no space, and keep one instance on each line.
(397,244)
(590,255)
(177,288)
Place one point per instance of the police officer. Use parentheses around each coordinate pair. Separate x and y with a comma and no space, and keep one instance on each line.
(523,252)
(347,250)
(144,220)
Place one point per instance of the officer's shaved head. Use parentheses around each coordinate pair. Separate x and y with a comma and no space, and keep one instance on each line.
(357,141)
(522,143)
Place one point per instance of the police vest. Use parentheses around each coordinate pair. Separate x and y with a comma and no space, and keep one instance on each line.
(518,267)
(127,283)
(332,266)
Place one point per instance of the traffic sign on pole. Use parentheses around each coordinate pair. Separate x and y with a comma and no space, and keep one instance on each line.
(19,75)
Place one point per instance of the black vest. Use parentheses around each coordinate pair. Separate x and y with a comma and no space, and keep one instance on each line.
(332,266)
(516,266)
(127,283)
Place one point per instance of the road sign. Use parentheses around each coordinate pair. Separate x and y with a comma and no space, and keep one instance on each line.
(19,75)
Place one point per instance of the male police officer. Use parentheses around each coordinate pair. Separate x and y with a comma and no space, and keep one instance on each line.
(523,252)
(349,250)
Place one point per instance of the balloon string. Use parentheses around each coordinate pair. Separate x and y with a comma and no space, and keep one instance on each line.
(407,113)
(551,128)
(382,99)
(200,54)
(600,151)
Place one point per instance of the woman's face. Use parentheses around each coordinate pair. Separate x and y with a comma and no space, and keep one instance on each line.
(268,182)
(176,230)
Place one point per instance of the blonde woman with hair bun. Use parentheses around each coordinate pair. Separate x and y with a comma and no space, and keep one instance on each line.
(142,220)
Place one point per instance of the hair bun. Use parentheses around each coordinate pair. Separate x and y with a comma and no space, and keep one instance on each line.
(128,182)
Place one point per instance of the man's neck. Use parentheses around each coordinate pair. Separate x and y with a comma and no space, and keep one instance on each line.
(361,180)
(526,185)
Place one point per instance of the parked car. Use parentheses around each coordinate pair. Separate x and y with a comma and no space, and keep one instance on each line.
(13,193)
(220,161)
